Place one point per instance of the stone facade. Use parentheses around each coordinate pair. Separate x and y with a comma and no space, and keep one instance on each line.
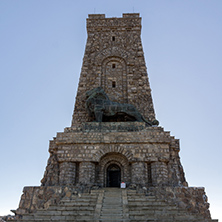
(131,145)
(91,154)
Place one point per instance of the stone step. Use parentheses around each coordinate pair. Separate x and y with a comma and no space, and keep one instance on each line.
(114,206)
(151,207)
(120,220)
(58,213)
(46,220)
(140,202)
(162,217)
(82,196)
(59,217)
(140,195)
(152,212)
(113,220)
(113,217)
(146,206)
(166,220)
(109,211)
(79,200)
(111,207)
(91,204)
(112,197)
(144,199)
(112,201)
(71,208)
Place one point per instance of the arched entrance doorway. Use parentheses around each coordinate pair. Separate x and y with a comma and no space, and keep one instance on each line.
(113,176)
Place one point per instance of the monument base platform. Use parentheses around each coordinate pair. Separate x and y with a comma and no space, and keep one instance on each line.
(79,203)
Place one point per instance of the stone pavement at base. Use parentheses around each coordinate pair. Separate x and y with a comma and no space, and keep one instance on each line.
(113,205)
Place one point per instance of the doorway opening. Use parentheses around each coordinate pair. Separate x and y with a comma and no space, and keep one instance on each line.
(113,176)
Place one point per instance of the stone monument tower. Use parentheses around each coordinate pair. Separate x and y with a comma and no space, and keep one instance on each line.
(114,139)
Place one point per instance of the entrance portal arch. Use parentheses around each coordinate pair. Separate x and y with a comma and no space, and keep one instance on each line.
(114,168)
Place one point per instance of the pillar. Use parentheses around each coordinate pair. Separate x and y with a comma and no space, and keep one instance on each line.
(159,172)
(87,173)
(139,173)
(67,173)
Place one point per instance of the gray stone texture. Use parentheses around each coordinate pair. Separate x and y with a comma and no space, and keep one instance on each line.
(147,156)
(114,53)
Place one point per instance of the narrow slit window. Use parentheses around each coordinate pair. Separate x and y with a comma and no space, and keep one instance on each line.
(113,38)
(113,65)
(113,84)
(149,169)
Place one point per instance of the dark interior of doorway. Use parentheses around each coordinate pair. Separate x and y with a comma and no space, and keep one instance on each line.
(113,176)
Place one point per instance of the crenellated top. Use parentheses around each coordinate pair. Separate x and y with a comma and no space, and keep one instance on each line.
(98,22)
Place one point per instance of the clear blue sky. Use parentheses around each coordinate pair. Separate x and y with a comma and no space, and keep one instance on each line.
(41,49)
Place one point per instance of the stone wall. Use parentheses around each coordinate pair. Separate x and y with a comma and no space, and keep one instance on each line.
(191,199)
(34,198)
(132,146)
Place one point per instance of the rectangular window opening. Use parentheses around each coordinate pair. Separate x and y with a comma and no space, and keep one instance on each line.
(113,65)
(113,38)
(113,84)
(149,169)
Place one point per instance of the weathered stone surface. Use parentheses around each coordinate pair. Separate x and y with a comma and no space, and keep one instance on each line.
(114,60)
(156,203)
(90,156)
(140,145)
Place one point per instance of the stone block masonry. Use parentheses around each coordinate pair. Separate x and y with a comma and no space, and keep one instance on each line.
(89,158)
(114,60)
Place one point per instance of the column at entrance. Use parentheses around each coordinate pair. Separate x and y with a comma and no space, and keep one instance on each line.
(139,173)
(159,173)
(87,173)
(67,173)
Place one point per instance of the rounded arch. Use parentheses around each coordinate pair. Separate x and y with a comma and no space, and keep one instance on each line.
(113,78)
(113,149)
(113,158)
(110,52)
(115,58)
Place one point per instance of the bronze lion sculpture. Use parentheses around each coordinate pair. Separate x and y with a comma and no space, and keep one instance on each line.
(99,105)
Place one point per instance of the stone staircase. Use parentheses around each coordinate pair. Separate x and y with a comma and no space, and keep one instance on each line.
(144,208)
(113,205)
(76,208)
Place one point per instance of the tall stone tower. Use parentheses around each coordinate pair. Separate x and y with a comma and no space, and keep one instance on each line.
(114,60)
(114,139)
